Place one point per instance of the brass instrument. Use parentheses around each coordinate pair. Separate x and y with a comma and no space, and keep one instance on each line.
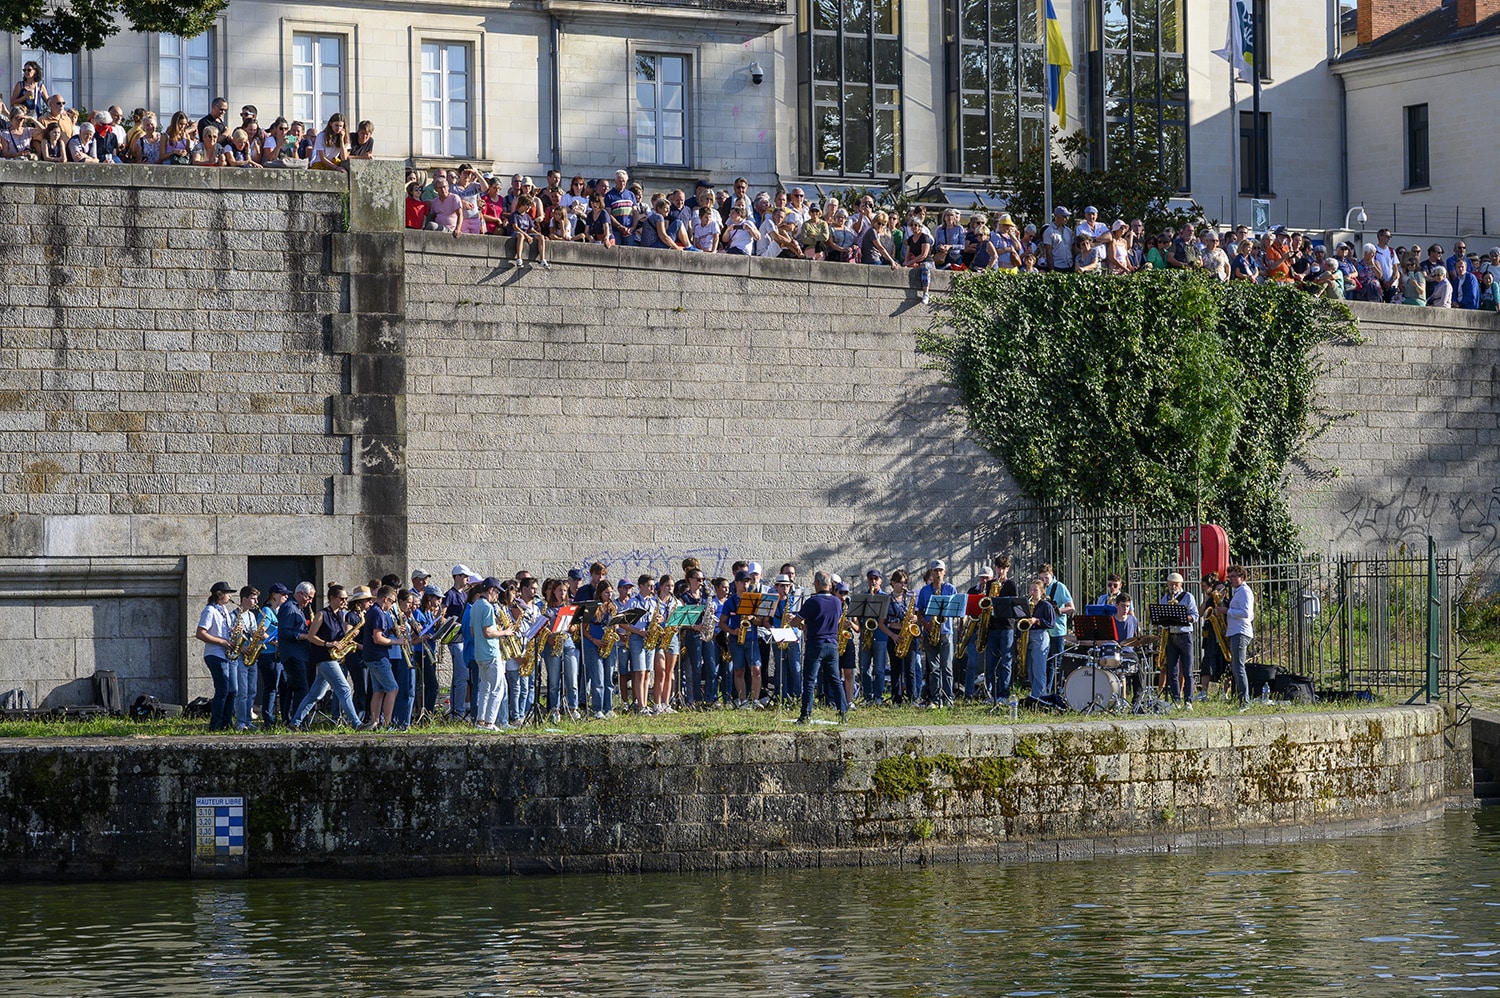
(237,636)
(533,648)
(790,620)
(656,637)
(935,632)
(965,633)
(604,615)
(1216,622)
(1023,625)
(350,641)
(555,641)
(257,644)
(846,631)
(510,644)
(909,628)
(744,631)
(987,611)
(867,632)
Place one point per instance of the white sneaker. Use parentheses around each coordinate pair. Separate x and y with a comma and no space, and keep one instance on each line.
(925,299)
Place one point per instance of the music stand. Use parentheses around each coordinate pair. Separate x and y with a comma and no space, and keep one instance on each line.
(863,606)
(1095,628)
(949,607)
(1010,608)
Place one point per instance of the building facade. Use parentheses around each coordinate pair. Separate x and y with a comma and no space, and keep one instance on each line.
(867,92)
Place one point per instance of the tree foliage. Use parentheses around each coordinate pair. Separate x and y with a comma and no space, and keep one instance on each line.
(1139,189)
(75,25)
(1168,393)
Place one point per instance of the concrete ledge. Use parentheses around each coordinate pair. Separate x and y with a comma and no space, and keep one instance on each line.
(130,175)
(364,805)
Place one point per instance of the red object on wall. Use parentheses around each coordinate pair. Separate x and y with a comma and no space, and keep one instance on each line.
(1215,549)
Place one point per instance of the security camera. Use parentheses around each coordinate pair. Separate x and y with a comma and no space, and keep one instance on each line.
(757,75)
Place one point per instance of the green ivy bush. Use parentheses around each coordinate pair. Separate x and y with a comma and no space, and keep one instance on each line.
(1166,393)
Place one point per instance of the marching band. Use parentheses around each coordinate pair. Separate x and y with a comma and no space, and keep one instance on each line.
(522,647)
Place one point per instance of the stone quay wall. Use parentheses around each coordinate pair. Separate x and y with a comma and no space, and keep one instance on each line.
(372,806)
(251,374)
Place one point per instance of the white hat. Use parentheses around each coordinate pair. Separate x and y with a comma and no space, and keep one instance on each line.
(937,563)
(986,572)
(462,570)
(1175,577)
(473,579)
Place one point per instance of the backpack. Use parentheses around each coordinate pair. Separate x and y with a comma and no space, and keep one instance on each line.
(149,708)
(107,692)
(16,699)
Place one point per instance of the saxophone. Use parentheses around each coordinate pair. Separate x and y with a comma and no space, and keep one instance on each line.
(909,628)
(987,612)
(846,631)
(237,636)
(655,632)
(605,614)
(533,648)
(350,641)
(867,632)
(257,644)
(744,631)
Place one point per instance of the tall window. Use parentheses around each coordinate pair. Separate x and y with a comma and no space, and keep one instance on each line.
(849,87)
(59,72)
(997,97)
(1255,154)
(186,74)
(1417,173)
(1139,72)
(661,109)
(317,77)
(445,99)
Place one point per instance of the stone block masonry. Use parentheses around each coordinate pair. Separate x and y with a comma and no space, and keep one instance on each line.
(371,806)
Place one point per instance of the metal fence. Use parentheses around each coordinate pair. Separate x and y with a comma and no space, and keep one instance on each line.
(1387,625)
(1430,220)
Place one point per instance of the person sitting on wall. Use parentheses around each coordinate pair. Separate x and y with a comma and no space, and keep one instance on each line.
(1465,285)
(445,210)
(84,147)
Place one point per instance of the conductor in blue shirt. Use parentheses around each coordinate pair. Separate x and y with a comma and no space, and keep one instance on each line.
(820,616)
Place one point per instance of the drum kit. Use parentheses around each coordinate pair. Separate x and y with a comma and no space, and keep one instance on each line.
(1098,676)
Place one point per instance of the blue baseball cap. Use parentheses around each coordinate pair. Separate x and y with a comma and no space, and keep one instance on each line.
(575,574)
(277,589)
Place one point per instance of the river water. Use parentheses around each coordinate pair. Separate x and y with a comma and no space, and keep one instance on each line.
(1409,912)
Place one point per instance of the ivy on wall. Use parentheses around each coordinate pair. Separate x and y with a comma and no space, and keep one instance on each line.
(1167,393)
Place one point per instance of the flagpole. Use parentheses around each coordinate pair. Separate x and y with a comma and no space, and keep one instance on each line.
(1047,123)
(1234,136)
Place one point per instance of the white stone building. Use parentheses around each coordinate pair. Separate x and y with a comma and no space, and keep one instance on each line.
(842,91)
(1418,86)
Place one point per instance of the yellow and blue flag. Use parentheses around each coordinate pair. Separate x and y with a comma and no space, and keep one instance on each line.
(1059,64)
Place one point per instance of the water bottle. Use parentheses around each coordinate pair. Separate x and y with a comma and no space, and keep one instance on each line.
(1265,693)
(1015,710)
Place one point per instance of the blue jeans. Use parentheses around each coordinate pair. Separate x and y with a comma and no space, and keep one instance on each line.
(330,677)
(822,661)
(401,713)
(938,662)
(789,669)
(973,665)
(517,696)
(489,678)
(244,692)
(690,664)
(639,658)
(458,689)
(1037,661)
(744,656)
(999,661)
(268,683)
(600,679)
(1239,646)
(221,709)
(562,678)
(872,669)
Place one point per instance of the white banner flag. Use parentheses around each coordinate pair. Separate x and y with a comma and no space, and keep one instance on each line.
(1238,50)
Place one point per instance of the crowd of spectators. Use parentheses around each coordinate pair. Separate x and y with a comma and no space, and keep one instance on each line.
(787,224)
(40,126)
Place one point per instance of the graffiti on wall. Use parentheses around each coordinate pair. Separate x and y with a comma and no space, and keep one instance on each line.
(659,560)
(1468,522)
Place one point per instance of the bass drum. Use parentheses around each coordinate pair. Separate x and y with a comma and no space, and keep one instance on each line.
(1091,687)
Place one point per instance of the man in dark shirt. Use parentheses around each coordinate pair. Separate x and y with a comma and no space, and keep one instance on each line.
(216,118)
(820,616)
(293,649)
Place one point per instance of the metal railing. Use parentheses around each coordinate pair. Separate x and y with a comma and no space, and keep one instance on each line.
(1408,217)
(1387,625)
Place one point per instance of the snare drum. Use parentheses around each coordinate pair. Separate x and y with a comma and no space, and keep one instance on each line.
(1090,686)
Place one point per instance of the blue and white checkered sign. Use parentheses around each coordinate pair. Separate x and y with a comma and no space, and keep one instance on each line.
(221,826)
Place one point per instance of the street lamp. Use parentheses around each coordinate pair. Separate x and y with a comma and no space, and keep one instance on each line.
(1362,219)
